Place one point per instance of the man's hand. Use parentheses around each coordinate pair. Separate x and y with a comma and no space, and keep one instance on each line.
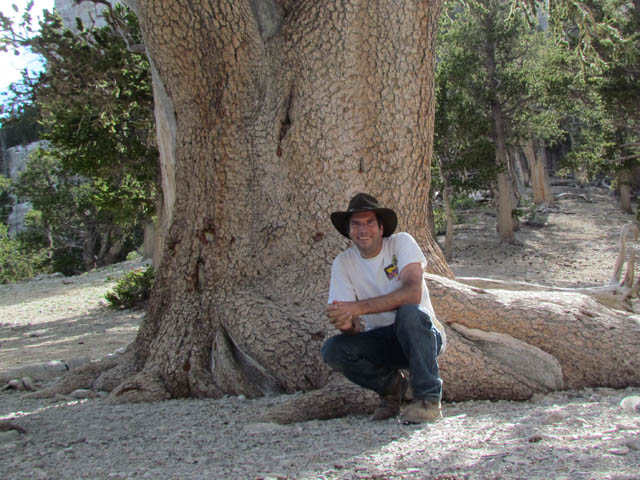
(345,316)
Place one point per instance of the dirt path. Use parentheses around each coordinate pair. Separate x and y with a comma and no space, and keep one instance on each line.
(577,247)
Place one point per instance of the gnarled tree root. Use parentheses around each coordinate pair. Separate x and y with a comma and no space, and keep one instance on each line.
(80,378)
(593,344)
(6,425)
(337,398)
(145,386)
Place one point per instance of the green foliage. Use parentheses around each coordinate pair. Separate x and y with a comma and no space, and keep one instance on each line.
(440,220)
(132,289)
(605,136)
(17,261)
(463,202)
(95,183)
(6,203)
(133,255)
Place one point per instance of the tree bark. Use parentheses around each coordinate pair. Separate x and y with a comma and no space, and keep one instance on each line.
(592,344)
(625,180)
(539,177)
(274,128)
(448,239)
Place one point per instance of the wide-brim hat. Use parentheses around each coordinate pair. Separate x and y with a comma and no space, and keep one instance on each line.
(363,202)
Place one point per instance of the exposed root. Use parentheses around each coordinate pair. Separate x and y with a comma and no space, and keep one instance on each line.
(145,386)
(6,425)
(111,378)
(81,378)
(582,196)
(20,384)
(617,294)
(337,399)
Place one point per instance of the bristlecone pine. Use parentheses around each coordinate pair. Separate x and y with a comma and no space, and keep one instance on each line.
(270,115)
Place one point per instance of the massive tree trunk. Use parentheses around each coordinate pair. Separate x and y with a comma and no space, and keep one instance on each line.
(282,111)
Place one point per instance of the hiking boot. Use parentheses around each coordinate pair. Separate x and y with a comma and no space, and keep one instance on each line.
(389,405)
(421,411)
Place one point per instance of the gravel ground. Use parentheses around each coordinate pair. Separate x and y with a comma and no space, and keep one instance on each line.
(566,435)
(587,434)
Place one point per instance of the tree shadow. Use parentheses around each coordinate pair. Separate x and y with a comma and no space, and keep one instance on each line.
(92,334)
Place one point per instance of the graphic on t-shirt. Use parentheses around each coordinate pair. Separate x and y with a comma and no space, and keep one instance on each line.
(392,270)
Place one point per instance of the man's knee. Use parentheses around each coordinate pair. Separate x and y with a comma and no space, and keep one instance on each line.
(332,351)
(411,317)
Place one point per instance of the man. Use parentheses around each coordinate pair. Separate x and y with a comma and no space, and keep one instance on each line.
(379,281)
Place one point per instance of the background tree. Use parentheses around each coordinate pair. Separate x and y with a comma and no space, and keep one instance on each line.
(604,34)
(95,183)
(483,50)
(464,152)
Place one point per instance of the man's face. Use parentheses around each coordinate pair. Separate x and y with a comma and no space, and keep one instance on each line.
(366,233)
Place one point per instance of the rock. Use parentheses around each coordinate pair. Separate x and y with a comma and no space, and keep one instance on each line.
(28,384)
(82,393)
(631,404)
(77,362)
(619,450)
(36,371)
(632,443)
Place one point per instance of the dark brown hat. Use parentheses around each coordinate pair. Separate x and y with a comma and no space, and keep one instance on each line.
(363,202)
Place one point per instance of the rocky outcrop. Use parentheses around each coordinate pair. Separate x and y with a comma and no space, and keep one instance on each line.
(88,12)
(14,161)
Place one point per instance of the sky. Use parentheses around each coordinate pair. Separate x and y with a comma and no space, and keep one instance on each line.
(11,66)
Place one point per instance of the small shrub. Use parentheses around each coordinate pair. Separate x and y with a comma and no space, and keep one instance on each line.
(440,221)
(463,202)
(132,289)
(17,261)
(134,255)
(68,261)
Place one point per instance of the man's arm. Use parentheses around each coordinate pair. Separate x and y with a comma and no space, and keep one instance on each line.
(410,292)
(341,290)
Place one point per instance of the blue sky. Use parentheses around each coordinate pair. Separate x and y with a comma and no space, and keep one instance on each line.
(11,65)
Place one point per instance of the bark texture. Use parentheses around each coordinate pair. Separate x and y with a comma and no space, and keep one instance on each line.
(538,331)
(539,176)
(506,201)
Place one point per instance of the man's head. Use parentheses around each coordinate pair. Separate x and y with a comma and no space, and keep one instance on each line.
(385,218)
(365,231)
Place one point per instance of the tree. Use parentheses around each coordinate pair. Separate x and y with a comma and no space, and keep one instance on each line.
(484,49)
(282,111)
(94,104)
(464,148)
(609,45)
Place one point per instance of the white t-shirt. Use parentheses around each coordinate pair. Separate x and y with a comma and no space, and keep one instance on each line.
(356,278)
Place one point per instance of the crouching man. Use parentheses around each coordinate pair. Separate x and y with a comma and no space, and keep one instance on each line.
(379,282)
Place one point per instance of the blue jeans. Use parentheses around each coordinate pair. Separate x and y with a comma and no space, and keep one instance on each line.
(371,359)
